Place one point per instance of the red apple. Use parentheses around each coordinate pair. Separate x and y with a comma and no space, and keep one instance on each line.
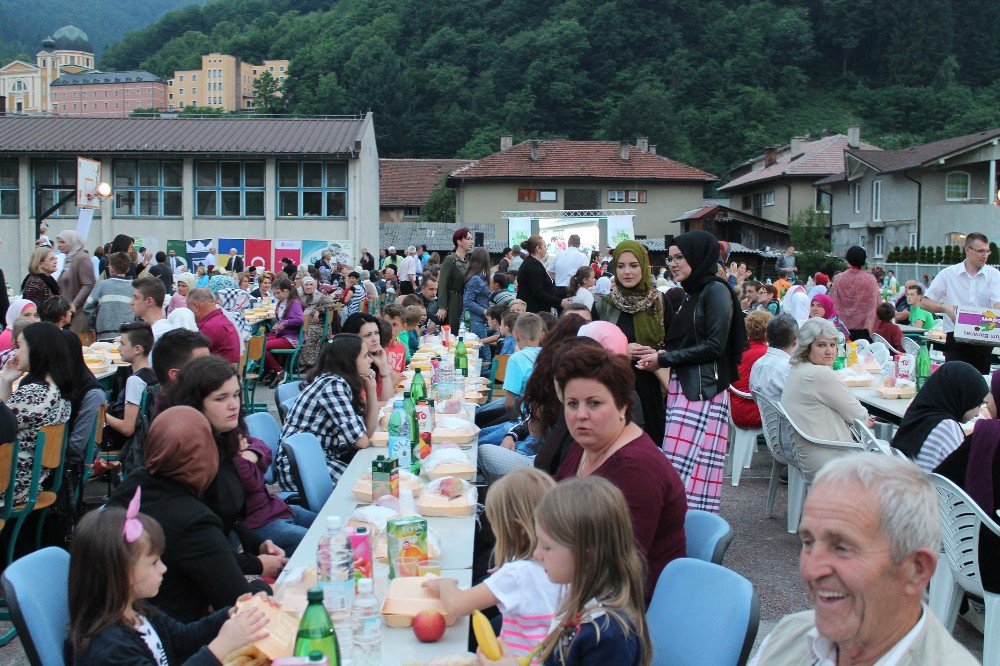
(428,626)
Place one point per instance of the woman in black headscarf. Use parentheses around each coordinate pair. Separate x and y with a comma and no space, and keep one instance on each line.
(704,343)
(932,426)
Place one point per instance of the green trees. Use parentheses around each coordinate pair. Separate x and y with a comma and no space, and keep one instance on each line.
(267,94)
(440,206)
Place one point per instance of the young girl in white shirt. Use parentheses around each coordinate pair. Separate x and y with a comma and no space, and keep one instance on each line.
(519,586)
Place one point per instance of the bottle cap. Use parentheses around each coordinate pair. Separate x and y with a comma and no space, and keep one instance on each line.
(398,404)
(406,394)
(315,595)
(332,523)
(365,585)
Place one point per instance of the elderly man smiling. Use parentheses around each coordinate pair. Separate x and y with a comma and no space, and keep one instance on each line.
(870,533)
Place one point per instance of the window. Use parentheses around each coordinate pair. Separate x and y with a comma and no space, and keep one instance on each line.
(312,189)
(548,196)
(630,196)
(878,246)
(877,200)
(147,188)
(861,240)
(822,201)
(957,186)
(913,240)
(616,196)
(954,238)
(746,202)
(769,198)
(411,211)
(229,189)
(856,189)
(62,175)
(8,188)
(180,78)
(582,199)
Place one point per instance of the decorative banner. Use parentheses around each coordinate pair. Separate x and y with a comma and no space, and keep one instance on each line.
(619,229)
(178,246)
(343,251)
(287,248)
(257,253)
(225,244)
(196,251)
(312,251)
(83,222)
(518,230)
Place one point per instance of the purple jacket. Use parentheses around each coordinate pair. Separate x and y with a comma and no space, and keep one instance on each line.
(224,339)
(290,322)
(261,506)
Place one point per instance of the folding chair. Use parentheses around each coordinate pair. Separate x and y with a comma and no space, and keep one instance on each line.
(36,588)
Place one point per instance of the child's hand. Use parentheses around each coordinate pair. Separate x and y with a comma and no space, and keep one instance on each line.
(241,629)
(506,658)
(433,585)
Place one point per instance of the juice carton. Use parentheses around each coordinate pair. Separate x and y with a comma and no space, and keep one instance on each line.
(406,536)
(385,477)
(905,367)
(361,546)
(425,425)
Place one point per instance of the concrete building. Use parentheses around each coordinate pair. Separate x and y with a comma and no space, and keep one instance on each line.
(928,195)
(107,94)
(406,184)
(187,178)
(565,175)
(25,87)
(223,82)
(777,185)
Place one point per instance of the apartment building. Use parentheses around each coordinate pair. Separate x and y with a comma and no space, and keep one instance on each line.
(223,82)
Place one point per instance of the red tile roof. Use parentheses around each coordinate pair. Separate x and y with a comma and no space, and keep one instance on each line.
(410,182)
(819,158)
(566,159)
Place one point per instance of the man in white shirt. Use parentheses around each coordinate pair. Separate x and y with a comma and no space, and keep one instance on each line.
(408,272)
(565,264)
(770,372)
(870,531)
(210,260)
(970,284)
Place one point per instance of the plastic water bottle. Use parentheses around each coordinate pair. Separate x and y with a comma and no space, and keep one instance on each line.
(400,446)
(335,572)
(446,378)
(367,626)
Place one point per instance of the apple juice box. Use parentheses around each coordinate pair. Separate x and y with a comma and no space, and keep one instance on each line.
(425,425)
(406,536)
(385,477)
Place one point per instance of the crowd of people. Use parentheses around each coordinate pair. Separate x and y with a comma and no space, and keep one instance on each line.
(619,389)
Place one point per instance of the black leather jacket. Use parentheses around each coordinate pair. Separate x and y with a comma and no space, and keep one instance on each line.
(699,361)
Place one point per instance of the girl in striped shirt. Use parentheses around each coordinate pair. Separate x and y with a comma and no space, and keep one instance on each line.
(519,586)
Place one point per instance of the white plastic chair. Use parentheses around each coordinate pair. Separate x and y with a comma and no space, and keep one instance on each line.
(744,441)
(958,567)
(880,351)
(910,346)
(862,345)
(878,339)
(775,427)
(868,439)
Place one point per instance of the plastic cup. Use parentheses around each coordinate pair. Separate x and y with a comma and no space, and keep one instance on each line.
(429,566)
(407,565)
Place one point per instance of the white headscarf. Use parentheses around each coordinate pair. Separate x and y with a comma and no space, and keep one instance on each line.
(183,318)
(796,303)
(16,308)
(73,240)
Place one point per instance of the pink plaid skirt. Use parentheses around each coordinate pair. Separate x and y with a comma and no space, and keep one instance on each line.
(697,433)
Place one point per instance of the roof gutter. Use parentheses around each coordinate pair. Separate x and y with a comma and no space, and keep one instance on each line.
(788,212)
(920,196)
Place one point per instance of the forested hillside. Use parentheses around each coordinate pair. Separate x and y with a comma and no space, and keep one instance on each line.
(25,23)
(710,82)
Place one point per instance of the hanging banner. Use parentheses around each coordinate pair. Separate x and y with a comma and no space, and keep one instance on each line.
(343,252)
(518,230)
(178,261)
(287,248)
(196,251)
(83,222)
(312,251)
(226,244)
(257,253)
(619,229)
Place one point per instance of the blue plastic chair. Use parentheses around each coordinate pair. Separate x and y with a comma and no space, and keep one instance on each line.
(702,613)
(308,467)
(284,393)
(36,588)
(263,426)
(708,536)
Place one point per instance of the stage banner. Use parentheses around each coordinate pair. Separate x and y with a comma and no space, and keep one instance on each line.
(196,251)
(312,251)
(619,229)
(518,230)
(258,253)
(287,248)
(343,252)
(226,244)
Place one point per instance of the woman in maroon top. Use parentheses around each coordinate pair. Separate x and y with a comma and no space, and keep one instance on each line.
(596,389)
(744,410)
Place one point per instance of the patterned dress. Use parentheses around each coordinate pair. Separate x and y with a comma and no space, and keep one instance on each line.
(34,405)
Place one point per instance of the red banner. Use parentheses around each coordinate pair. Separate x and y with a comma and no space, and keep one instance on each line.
(287,248)
(258,253)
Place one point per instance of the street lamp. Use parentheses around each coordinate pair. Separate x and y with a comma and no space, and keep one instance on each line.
(102,191)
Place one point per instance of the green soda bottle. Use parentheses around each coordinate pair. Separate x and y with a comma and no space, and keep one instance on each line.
(923,366)
(461,359)
(410,407)
(418,388)
(316,631)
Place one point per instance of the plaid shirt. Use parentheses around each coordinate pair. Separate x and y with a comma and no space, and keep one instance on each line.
(324,409)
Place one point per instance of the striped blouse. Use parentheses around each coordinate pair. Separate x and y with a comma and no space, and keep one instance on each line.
(942,440)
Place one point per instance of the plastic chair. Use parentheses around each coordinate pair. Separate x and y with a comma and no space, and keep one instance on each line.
(868,439)
(263,426)
(708,536)
(958,569)
(252,371)
(292,355)
(862,345)
(744,441)
(910,346)
(308,466)
(878,339)
(286,391)
(36,589)
(702,613)
(880,351)
(775,431)
(93,446)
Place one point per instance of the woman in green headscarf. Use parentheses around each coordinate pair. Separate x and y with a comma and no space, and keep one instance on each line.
(636,307)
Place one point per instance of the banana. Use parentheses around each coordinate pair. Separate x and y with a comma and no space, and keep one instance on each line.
(487,640)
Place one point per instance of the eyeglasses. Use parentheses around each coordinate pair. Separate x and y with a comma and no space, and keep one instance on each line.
(675,259)
(983,252)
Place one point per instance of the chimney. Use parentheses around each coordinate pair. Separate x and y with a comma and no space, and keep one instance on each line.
(624,150)
(652,149)
(534,150)
(506,142)
(642,143)
(770,156)
(854,136)
(797,146)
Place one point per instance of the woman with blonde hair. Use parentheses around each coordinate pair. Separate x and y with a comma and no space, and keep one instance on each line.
(39,285)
